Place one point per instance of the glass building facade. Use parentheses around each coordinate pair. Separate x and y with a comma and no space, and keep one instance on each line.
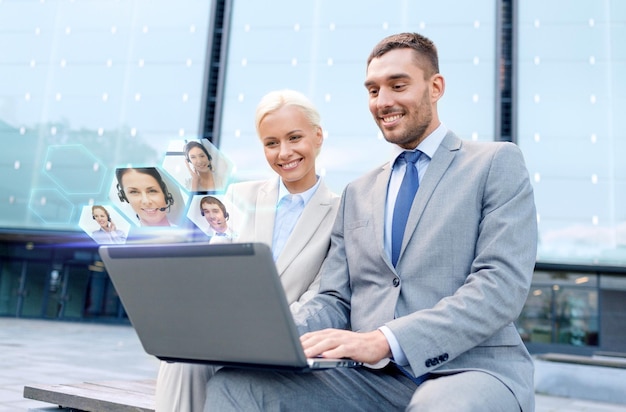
(88,86)
(572,78)
(320,48)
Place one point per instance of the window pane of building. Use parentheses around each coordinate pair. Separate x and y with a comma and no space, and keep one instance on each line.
(572,73)
(319,48)
(562,308)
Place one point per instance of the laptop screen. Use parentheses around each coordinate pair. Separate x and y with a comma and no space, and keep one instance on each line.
(206,303)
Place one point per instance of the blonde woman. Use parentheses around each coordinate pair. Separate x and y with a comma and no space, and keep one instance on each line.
(292,212)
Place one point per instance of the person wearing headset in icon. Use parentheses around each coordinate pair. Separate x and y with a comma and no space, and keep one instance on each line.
(108,232)
(199,163)
(292,212)
(216,216)
(146,192)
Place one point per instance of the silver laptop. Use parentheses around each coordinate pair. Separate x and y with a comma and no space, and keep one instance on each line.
(220,304)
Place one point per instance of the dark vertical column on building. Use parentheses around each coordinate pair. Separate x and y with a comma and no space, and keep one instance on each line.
(612,320)
(215,70)
(506,71)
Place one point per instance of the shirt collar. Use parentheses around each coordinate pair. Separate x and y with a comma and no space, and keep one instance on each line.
(306,195)
(428,146)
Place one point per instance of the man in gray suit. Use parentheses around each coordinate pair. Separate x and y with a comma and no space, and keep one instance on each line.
(431,315)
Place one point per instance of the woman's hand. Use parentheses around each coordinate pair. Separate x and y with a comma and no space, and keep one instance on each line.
(111,226)
(195,176)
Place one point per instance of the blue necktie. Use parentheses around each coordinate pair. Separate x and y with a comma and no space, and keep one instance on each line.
(407,191)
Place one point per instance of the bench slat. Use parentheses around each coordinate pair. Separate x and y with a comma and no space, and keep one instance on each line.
(123,396)
(612,362)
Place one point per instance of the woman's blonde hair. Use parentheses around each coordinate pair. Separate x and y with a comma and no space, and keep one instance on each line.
(277,99)
(273,101)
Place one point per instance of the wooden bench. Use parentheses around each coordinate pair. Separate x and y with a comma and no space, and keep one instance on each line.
(139,396)
(119,396)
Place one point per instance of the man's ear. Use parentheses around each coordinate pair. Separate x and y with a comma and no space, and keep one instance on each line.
(438,87)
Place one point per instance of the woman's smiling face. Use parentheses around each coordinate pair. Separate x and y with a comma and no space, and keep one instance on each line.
(199,159)
(101,217)
(146,198)
(291,144)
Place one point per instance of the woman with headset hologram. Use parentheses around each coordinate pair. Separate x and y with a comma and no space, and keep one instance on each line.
(108,232)
(146,192)
(199,163)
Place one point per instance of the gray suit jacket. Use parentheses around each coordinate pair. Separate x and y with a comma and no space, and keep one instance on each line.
(299,262)
(463,274)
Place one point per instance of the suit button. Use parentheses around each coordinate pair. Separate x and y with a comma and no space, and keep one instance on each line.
(396,282)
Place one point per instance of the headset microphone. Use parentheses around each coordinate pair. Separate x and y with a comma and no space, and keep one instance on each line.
(169,199)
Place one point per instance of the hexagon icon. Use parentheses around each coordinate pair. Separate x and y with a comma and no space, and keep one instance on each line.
(171,199)
(197,165)
(74,169)
(216,217)
(114,230)
(51,206)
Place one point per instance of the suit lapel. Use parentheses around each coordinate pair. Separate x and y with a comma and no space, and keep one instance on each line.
(379,200)
(265,212)
(313,214)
